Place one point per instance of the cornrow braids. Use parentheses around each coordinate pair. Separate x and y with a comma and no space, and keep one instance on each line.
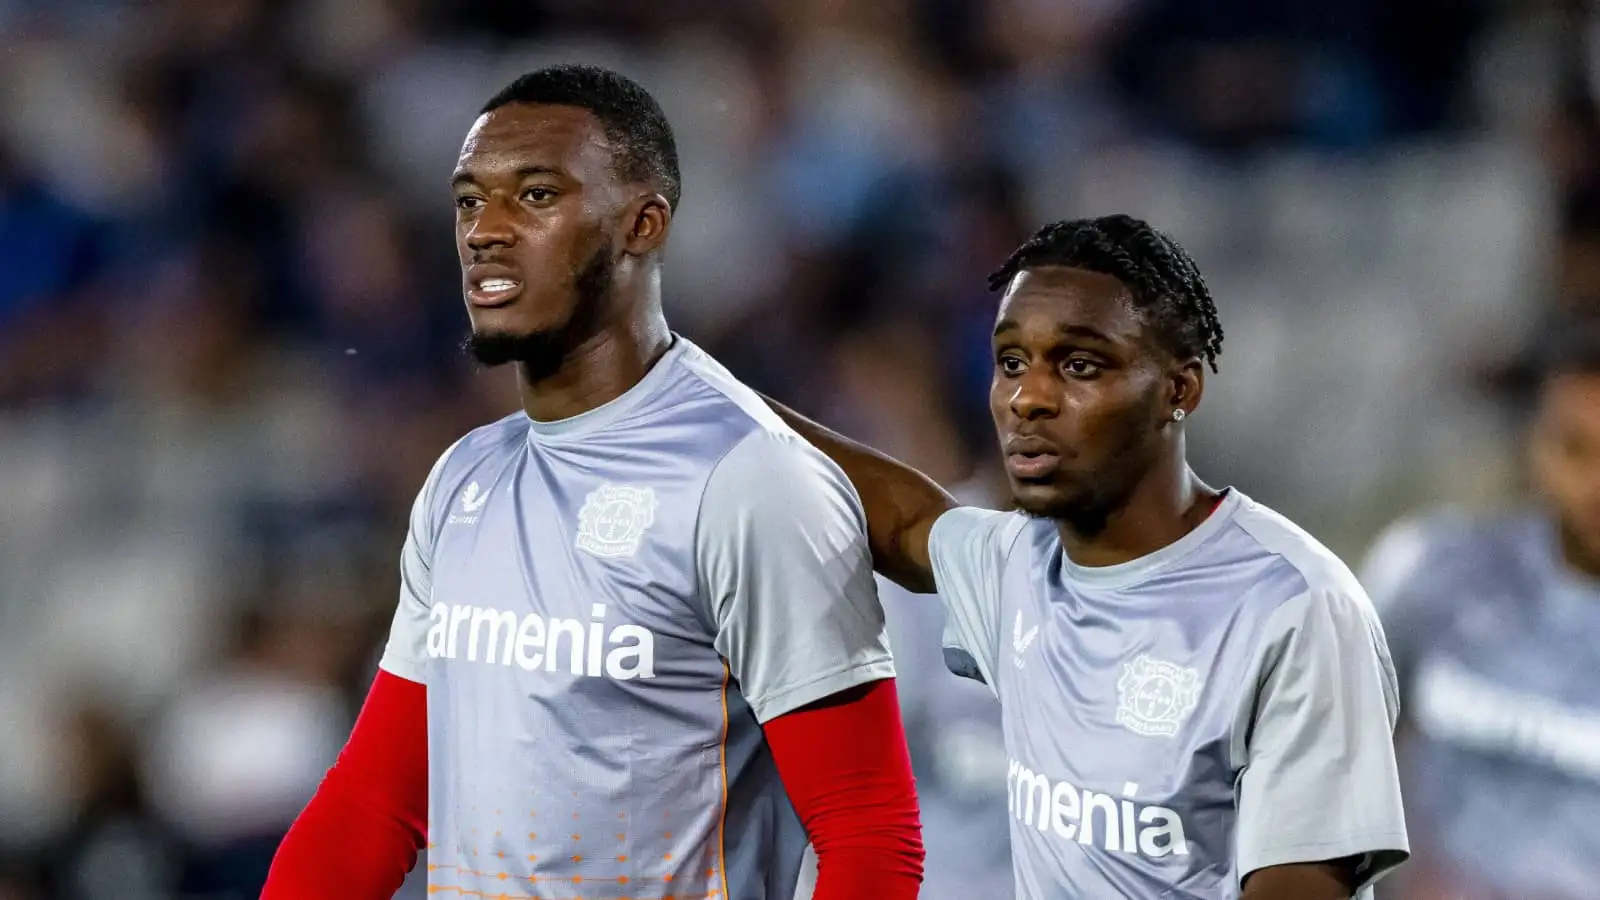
(1165,283)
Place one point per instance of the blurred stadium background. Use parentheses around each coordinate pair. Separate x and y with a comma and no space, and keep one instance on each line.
(229,314)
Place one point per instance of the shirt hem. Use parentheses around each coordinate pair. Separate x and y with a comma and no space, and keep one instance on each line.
(404,668)
(790,699)
(1385,849)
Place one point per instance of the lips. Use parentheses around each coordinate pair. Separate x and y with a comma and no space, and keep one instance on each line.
(1030,457)
(489,286)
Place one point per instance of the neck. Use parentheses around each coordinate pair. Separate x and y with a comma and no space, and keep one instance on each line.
(1167,504)
(600,369)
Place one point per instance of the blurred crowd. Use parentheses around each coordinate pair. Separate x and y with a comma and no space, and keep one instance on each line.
(230,318)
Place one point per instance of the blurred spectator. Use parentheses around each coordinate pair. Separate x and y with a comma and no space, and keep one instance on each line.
(240,751)
(114,844)
(1494,623)
(52,251)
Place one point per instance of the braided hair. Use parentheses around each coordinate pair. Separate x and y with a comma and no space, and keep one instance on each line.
(1165,283)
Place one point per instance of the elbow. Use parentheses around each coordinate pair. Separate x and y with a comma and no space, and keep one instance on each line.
(911,577)
(903,556)
(880,857)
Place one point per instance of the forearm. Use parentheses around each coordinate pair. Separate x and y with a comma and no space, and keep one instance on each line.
(359,836)
(1333,880)
(901,503)
(856,797)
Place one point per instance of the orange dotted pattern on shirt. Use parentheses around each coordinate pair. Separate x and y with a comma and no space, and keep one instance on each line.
(458,890)
(665,881)
(670,891)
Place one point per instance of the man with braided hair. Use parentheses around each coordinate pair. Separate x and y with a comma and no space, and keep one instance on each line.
(1197,698)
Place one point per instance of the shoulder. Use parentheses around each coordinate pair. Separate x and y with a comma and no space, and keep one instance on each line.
(1301,562)
(973,529)
(1447,547)
(765,463)
(1323,603)
(495,439)
(1327,614)
(732,399)
(1310,600)
(774,473)
(452,470)
(768,473)
(773,503)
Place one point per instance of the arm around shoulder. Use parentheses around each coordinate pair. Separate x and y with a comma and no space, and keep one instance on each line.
(901,503)
(786,574)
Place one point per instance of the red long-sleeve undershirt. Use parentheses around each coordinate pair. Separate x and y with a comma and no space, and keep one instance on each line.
(359,835)
(845,767)
(843,762)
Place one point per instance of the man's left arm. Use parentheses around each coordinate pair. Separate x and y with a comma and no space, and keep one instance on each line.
(1320,814)
(785,567)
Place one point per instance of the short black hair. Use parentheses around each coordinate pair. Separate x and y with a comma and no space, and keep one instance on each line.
(1165,283)
(1563,344)
(633,121)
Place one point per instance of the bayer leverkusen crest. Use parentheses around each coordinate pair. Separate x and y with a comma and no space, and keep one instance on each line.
(613,519)
(1154,696)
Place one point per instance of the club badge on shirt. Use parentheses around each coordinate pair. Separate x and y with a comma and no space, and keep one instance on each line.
(1154,696)
(613,519)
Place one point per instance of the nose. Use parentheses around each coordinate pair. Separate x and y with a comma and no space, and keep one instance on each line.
(1033,396)
(491,228)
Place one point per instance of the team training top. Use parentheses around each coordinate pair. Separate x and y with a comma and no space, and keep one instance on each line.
(1175,722)
(1497,642)
(604,610)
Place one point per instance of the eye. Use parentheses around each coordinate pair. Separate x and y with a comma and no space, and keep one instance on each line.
(1010,364)
(1082,367)
(538,195)
(467,201)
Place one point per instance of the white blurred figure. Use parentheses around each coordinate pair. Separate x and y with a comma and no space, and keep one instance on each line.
(241,749)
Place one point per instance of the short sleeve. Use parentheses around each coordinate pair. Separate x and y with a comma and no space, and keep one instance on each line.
(405,654)
(1320,781)
(786,571)
(968,548)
